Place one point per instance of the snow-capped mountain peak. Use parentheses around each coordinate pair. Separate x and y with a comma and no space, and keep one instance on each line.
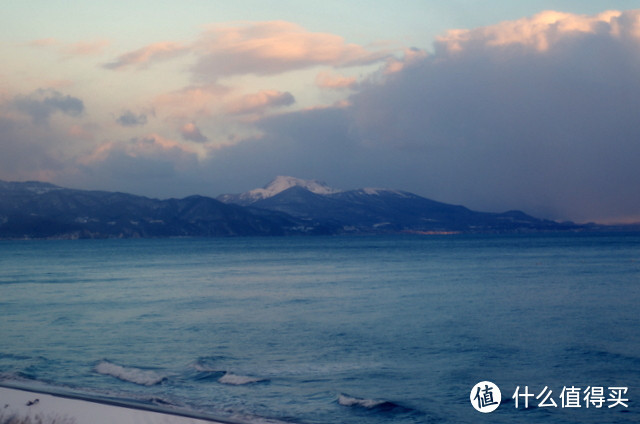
(278,185)
(282,183)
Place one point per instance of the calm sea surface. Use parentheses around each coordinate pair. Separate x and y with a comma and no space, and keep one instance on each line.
(330,329)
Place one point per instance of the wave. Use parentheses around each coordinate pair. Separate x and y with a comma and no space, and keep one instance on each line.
(238,380)
(131,375)
(208,363)
(371,404)
(252,419)
(345,400)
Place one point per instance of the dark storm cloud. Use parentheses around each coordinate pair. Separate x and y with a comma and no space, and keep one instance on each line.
(42,103)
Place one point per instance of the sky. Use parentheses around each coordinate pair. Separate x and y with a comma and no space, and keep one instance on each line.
(494,105)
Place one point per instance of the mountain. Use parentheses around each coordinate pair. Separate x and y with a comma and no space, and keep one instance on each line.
(371,210)
(286,206)
(42,210)
(278,185)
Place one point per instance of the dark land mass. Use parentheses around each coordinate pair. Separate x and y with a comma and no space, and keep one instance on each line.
(42,210)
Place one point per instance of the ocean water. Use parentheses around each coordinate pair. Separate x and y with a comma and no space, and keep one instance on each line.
(330,329)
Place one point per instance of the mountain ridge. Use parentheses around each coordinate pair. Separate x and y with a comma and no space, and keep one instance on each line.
(374,210)
(286,206)
(42,210)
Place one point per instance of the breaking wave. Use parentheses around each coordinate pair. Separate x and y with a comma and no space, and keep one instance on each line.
(132,375)
(371,404)
(238,380)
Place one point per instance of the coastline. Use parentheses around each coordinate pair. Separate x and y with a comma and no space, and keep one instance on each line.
(24,405)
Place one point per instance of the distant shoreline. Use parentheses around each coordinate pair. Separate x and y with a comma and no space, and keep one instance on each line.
(588,229)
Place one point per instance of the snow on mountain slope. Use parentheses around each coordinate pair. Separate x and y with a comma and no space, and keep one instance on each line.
(281,183)
(371,191)
(278,185)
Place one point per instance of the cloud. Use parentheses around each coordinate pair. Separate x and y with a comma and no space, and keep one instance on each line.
(82,132)
(303,144)
(538,32)
(42,103)
(268,48)
(30,151)
(68,50)
(260,102)
(130,119)
(195,100)
(144,56)
(260,48)
(538,114)
(396,64)
(152,145)
(333,81)
(150,165)
(86,48)
(44,42)
(191,132)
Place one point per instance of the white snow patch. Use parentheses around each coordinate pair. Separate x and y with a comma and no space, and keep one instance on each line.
(29,406)
(378,191)
(282,183)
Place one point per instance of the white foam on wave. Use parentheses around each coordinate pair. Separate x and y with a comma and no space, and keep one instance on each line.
(345,400)
(238,380)
(132,375)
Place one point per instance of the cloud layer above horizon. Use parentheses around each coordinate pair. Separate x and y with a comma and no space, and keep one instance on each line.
(537,114)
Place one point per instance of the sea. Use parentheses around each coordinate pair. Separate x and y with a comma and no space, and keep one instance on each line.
(336,329)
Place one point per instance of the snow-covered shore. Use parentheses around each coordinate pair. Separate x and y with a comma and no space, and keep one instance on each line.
(23,406)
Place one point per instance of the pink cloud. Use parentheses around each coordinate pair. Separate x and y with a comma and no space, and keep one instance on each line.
(198,100)
(261,48)
(86,48)
(395,64)
(541,31)
(44,42)
(260,102)
(191,132)
(152,146)
(81,48)
(266,48)
(333,81)
(142,57)
(82,132)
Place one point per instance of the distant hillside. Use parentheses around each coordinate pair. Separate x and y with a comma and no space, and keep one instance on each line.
(382,210)
(42,210)
(286,206)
